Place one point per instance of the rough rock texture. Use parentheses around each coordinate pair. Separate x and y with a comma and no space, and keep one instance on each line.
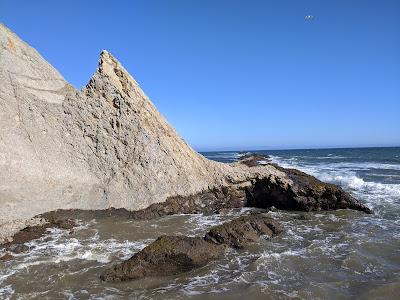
(168,255)
(305,193)
(171,255)
(35,231)
(243,231)
(105,146)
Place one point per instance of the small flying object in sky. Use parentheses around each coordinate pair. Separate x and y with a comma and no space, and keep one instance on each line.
(309,17)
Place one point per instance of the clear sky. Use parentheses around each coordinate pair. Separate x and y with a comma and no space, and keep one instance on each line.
(232,75)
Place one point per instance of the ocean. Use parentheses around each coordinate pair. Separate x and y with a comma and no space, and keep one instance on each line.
(340,254)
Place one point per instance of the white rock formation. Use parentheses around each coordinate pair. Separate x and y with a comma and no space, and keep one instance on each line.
(105,146)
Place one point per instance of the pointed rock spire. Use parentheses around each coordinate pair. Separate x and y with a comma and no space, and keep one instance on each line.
(111,68)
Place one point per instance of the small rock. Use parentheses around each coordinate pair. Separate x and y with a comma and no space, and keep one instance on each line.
(243,231)
(18,248)
(252,160)
(301,217)
(6,257)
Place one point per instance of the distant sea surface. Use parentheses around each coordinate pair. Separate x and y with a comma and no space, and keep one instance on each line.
(334,255)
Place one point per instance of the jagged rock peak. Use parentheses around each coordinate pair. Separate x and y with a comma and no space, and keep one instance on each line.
(111,68)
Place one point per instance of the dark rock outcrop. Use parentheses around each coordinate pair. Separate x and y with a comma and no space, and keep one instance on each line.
(34,232)
(168,255)
(243,231)
(252,160)
(171,255)
(6,257)
(305,193)
(208,202)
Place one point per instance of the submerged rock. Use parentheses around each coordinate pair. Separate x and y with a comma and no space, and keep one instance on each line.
(171,255)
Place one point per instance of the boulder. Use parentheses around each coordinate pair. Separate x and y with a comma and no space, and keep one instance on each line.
(168,255)
(171,255)
(243,231)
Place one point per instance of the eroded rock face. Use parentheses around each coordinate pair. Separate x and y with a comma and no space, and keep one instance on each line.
(108,146)
(171,255)
(105,146)
(168,255)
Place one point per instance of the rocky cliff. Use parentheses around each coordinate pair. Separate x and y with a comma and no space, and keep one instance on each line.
(104,146)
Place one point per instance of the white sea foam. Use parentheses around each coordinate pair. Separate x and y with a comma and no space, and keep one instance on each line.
(293,162)
(203,222)
(58,247)
(6,292)
(198,284)
(263,162)
(364,166)
(267,256)
(357,183)
(343,174)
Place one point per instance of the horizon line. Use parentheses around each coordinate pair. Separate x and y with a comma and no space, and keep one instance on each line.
(292,149)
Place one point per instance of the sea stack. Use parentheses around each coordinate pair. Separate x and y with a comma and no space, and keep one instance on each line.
(108,146)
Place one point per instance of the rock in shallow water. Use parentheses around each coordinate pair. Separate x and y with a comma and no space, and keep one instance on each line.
(18,248)
(304,193)
(243,231)
(168,255)
(17,245)
(171,255)
(6,257)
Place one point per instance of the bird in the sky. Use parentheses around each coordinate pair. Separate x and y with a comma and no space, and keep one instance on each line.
(309,17)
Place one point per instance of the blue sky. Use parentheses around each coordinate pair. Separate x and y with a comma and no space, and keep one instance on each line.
(232,75)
